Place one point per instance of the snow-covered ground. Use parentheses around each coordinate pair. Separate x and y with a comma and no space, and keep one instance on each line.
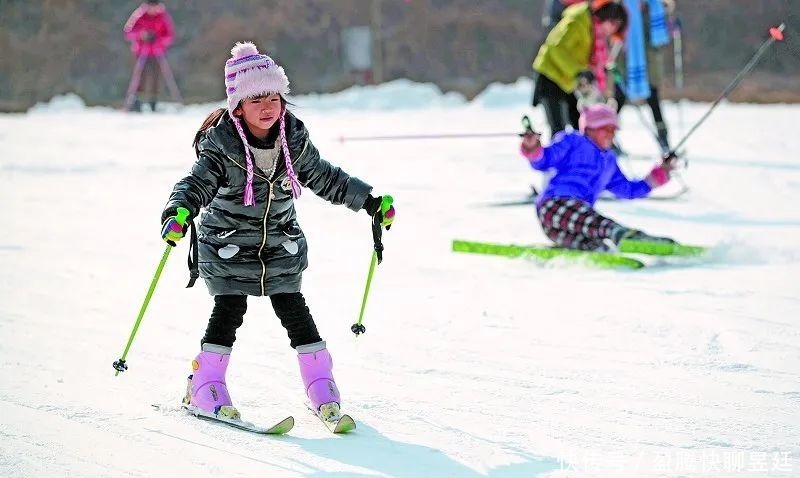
(471,366)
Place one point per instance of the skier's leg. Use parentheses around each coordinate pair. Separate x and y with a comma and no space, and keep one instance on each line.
(226,317)
(316,365)
(573,224)
(619,95)
(131,98)
(568,240)
(153,77)
(148,87)
(207,388)
(145,78)
(572,111)
(654,101)
(553,99)
(621,99)
(554,114)
(295,317)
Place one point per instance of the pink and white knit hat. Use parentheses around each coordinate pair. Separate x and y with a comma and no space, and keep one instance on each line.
(250,74)
(597,116)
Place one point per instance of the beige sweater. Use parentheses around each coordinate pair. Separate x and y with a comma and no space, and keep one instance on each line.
(266,159)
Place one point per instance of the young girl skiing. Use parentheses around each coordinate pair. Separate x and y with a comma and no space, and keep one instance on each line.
(252,160)
(584,166)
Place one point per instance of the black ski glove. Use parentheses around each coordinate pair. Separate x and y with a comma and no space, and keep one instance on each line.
(373,206)
(173,211)
(171,230)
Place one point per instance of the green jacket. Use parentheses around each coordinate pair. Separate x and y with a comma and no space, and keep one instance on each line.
(568,48)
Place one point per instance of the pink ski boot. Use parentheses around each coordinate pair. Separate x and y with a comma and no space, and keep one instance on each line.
(316,369)
(206,390)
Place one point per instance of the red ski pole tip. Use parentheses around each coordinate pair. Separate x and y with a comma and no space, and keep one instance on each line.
(776,33)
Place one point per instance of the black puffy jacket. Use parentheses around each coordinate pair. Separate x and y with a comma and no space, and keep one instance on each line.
(260,249)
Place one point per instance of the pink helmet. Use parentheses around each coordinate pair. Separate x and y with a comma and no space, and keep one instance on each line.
(597,116)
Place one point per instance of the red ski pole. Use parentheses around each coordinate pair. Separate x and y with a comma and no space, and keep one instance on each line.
(133,85)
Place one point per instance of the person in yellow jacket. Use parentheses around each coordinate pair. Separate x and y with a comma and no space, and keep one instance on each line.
(578,42)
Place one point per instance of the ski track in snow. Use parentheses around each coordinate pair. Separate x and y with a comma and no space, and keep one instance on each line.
(471,366)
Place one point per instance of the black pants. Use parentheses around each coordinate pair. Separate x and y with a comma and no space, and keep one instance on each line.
(291,309)
(560,107)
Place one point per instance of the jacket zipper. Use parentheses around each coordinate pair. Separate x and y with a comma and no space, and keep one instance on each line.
(266,213)
(264,239)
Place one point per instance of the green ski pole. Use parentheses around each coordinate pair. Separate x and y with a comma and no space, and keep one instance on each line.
(377,256)
(358,328)
(120,365)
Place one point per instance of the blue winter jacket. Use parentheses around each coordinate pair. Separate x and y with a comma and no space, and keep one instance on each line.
(583,171)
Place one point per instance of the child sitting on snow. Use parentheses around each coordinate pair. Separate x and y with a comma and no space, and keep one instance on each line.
(584,166)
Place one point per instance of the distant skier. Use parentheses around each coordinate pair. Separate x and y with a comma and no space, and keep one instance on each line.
(578,42)
(252,159)
(584,166)
(639,70)
(150,31)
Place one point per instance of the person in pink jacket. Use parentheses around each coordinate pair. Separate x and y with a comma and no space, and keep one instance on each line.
(150,31)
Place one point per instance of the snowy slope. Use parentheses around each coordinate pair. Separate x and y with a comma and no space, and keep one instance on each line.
(471,366)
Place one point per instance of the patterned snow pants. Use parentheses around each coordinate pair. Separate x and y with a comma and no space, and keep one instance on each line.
(573,224)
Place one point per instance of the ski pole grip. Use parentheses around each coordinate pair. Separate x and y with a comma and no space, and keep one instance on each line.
(526,124)
(386,204)
(182,215)
(777,32)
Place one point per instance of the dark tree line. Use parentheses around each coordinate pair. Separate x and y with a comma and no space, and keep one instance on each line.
(56,46)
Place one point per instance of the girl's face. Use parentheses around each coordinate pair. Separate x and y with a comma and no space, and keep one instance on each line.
(610,27)
(602,137)
(260,113)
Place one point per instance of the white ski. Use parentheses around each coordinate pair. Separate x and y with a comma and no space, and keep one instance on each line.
(333,420)
(280,428)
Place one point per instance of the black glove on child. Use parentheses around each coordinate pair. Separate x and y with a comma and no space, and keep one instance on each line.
(373,206)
